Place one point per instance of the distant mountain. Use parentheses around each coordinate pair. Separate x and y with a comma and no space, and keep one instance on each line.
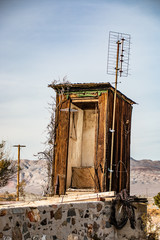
(144,179)
(34,172)
(145,164)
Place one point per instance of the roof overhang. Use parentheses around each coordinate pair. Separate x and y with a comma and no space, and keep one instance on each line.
(82,87)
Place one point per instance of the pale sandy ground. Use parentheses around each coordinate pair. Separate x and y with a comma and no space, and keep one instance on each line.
(145,189)
(145,183)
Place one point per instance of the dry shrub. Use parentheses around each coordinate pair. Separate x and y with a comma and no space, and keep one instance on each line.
(7,196)
(157,200)
(151,228)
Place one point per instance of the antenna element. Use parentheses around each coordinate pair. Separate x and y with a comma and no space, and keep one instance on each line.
(124,42)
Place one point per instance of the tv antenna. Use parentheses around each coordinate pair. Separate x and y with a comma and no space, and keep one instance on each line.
(117,64)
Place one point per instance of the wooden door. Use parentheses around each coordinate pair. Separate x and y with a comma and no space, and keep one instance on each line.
(61,146)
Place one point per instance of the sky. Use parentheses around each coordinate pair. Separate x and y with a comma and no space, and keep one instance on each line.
(45,40)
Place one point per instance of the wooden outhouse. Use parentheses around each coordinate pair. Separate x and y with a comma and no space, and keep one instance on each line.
(82,144)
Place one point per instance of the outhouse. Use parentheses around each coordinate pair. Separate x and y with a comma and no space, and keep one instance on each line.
(82,144)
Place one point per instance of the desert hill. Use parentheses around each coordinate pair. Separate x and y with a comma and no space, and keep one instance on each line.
(145,164)
(35,175)
(145,177)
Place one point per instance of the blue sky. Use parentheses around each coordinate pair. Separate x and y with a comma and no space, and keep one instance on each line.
(46,40)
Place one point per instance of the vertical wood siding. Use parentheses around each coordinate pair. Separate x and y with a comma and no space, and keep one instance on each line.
(61,145)
(121,155)
(100,156)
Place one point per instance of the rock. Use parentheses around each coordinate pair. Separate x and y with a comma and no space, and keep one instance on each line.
(58,214)
(99,207)
(16,233)
(25,228)
(6,228)
(33,215)
(3,213)
(108,225)
(44,222)
(71,212)
(27,236)
(95,227)
(90,205)
(73,221)
(64,223)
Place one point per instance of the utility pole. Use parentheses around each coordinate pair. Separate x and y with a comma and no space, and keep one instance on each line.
(18,168)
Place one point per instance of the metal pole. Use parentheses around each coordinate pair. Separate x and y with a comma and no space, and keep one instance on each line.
(18,173)
(18,169)
(113,122)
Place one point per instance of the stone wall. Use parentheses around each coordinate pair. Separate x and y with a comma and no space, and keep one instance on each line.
(65,221)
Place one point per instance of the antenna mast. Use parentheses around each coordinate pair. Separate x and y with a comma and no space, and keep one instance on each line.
(118,56)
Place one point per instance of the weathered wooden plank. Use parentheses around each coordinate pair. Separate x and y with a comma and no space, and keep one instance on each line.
(120,167)
(128,145)
(82,177)
(124,173)
(101,141)
(84,100)
(90,196)
(100,145)
(54,152)
(119,146)
(106,103)
(108,152)
(116,147)
(105,187)
(61,148)
(96,179)
(55,176)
